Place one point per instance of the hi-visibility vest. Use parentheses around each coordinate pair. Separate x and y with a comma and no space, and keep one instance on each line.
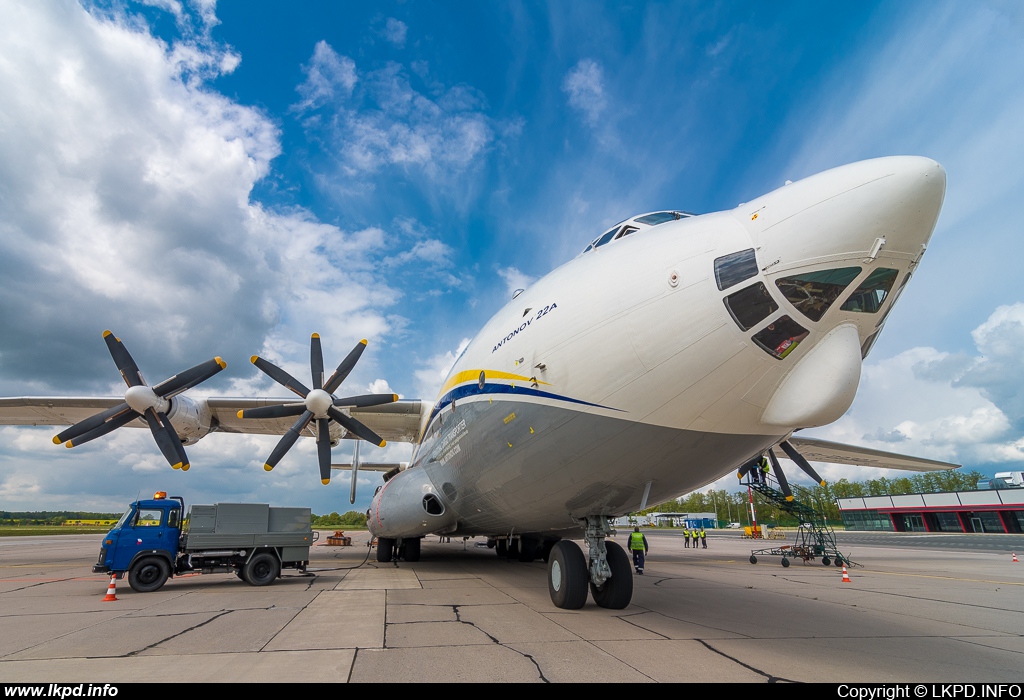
(702,534)
(636,540)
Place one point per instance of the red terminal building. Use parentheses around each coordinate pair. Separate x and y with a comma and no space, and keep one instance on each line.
(994,510)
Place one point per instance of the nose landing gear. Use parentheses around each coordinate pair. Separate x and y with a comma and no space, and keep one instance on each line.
(608,572)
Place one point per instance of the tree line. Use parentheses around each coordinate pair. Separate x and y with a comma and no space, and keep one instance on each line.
(735,506)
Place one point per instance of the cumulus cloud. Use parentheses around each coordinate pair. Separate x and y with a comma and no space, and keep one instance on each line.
(958,408)
(584,85)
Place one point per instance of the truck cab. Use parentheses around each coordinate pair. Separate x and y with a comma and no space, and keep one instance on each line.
(149,530)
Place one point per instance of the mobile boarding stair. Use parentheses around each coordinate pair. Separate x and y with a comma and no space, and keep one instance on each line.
(815,538)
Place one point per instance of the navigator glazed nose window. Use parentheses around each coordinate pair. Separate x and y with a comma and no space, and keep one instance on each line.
(734,268)
(869,296)
(812,293)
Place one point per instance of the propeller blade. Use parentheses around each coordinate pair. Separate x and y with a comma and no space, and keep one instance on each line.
(345,367)
(280,376)
(801,462)
(355,472)
(288,440)
(90,423)
(365,400)
(167,440)
(781,476)
(316,361)
(189,378)
(115,422)
(281,411)
(355,427)
(323,449)
(746,468)
(123,359)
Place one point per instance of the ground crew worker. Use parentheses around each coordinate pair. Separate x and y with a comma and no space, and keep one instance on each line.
(764,470)
(693,534)
(686,536)
(638,545)
(703,538)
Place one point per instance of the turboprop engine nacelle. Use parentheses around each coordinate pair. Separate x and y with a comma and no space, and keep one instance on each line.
(191,419)
(408,505)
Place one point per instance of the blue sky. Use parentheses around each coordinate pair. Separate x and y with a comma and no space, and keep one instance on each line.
(225,179)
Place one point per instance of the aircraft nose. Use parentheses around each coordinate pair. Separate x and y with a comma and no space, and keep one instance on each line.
(856,210)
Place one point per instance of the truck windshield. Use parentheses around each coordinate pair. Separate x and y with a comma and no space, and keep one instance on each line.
(124,518)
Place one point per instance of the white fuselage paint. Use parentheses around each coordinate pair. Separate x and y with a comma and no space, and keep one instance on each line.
(632,341)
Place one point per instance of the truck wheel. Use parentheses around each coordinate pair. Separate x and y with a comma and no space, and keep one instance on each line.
(262,569)
(149,574)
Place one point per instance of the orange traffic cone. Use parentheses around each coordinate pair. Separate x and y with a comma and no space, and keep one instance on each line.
(846,575)
(1015,557)
(111,589)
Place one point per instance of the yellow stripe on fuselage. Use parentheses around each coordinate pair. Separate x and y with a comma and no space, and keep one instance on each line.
(489,374)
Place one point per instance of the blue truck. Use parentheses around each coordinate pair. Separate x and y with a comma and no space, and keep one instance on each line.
(156,539)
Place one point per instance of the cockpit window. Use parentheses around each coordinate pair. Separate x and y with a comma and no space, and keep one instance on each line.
(659,217)
(871,293)
(780,337)
(734,268)
(812,293)
(751,305)
(626,230)
(606,237)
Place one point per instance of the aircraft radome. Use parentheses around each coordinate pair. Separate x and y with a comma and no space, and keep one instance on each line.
(674,349)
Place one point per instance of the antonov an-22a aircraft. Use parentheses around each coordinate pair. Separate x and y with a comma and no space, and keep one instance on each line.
(675,349)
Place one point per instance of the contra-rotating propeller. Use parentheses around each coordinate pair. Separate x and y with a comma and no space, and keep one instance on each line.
(141,400)
(318,404)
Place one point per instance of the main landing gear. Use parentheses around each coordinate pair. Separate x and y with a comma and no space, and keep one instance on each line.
(608,573)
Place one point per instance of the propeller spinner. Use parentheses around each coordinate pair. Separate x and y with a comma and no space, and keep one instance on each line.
(318,404)
(142,401)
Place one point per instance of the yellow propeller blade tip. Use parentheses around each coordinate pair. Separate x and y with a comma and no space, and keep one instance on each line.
(184,467)
(68,444)
(220,362)
(106,333)
(240,414)
(315,335)
(394,397)
(56,440)
(176,466)
(254,358)
(267,467)
(789,498)
(822,482)
(363,341)
(382,443)
(325,481)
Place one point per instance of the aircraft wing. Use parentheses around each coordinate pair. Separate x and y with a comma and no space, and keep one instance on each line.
(395,422)
(816,450)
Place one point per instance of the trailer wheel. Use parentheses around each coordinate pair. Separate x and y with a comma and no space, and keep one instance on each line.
(753,559)
(149,574)
(262,569)
(785,562)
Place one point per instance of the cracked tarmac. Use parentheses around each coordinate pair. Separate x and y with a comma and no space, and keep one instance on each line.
(460,614)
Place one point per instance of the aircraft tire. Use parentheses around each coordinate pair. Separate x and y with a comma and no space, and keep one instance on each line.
(149,574)
(528,548)
(411,549)
(385,549)
(513,549)
(618,590)
(567,576)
